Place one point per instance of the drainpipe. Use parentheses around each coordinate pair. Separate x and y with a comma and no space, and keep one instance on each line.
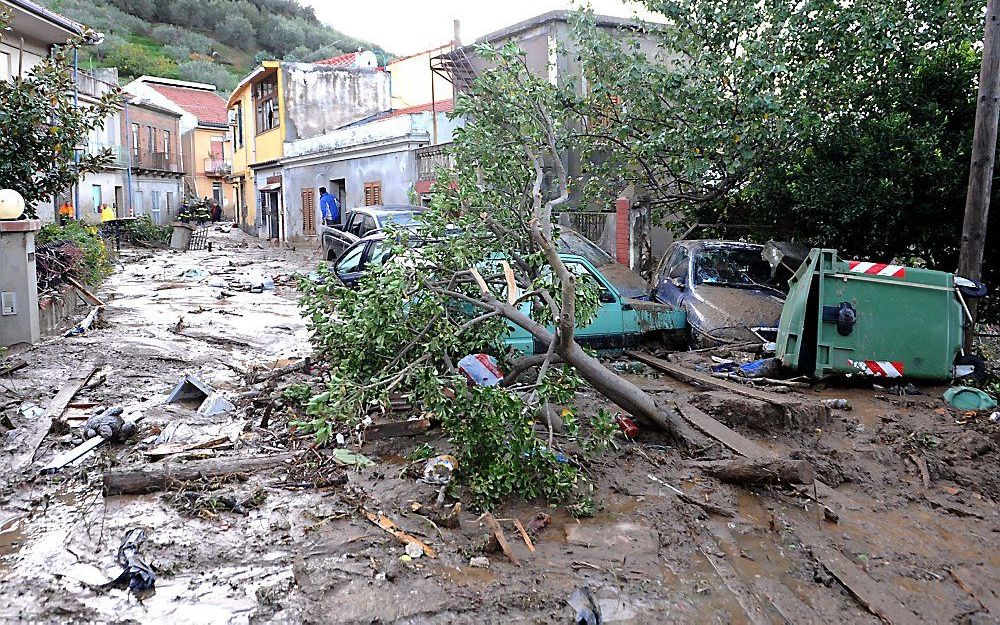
(76,153)
(128,162)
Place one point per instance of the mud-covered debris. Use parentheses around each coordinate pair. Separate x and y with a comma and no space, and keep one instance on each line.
(137,576)
(192,391)
(479,562)
(837,404)
(108,424)
(968,398)
(586,610)
(439,470)
(480,369)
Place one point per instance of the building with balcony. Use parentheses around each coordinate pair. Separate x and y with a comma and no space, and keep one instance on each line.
(204,133)
(155,171)
(280,103)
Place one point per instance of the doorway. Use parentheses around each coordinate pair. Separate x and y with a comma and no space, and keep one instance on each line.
(338,188)
(120,202)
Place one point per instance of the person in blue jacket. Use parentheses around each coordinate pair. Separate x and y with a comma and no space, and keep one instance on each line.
(329,207)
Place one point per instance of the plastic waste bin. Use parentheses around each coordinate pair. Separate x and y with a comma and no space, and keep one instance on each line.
(872,319)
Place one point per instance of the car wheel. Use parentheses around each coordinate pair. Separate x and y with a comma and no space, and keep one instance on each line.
(978,367)
(970,288)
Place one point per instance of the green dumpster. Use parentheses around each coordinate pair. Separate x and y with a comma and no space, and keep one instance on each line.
(872,319)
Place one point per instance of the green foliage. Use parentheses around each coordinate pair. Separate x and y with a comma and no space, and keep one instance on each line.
(95,265)
(134,60)
(144,230)
(423,451)
(208,72)
(41,127)
(297,394)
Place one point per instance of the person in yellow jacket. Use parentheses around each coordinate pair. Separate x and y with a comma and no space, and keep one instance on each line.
(107,213)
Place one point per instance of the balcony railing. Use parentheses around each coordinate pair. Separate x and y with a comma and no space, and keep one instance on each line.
(160,161)
(119,155)
(217,167)
(432,158)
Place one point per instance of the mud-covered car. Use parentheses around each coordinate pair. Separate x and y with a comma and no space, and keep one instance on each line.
(361,222)
(626,317)
(725,287)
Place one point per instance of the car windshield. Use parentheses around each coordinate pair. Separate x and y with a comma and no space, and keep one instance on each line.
(731,266)
(400,219)
(571,242)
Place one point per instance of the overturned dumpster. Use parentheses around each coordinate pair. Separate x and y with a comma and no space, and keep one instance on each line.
(872,319)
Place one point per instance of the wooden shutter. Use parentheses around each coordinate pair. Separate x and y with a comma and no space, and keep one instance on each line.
(309,212)
(373,193)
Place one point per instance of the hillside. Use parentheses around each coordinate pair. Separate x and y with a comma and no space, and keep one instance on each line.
(213,41)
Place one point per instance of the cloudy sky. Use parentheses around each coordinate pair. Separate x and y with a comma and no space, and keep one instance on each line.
(408,26)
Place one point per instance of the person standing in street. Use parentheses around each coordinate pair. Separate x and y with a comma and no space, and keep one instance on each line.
(65,213)
(329,207)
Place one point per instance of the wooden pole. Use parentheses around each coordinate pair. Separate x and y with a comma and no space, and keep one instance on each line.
(984,145)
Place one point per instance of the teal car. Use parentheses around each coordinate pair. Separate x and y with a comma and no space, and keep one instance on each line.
(626,317)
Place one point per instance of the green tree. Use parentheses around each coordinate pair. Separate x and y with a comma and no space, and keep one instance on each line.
(208,72)
(41,128)
(235,29)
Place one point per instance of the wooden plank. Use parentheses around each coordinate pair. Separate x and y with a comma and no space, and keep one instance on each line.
(169,449)
(393,429)
(58,404)
(969,582)
(387,524)
(84,292)
(501,538)
(878,598)
(698,378)
(163,475)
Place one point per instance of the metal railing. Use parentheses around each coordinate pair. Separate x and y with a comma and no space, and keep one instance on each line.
(217,167)
(161,161)
(119,154)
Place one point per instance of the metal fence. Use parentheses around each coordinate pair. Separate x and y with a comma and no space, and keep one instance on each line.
(591,225)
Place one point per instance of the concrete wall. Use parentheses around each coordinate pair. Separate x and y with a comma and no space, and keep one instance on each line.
(197,148)
(10,55)
(167,194)
(320,99)
(411,77)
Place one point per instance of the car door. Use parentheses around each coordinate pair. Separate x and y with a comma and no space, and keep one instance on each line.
(672,280)
(350,266)
(606,330)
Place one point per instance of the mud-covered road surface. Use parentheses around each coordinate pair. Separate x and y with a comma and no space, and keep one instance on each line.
(298,548)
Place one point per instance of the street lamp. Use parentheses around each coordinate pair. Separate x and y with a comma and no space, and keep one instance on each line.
(11,204)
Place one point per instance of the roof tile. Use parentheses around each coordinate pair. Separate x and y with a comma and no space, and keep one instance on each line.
(207,106)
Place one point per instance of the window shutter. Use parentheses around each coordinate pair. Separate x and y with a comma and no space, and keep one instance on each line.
(309,212)
(377,193)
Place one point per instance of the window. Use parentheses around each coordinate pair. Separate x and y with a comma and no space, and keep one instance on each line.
(4,66)
(97,197)
(266,102)
(350,262)
(154,205)
(166,142)
(373,193)
(678,264)
(135,139)
(151,138)
(238,140)
(367,226)
(309,212)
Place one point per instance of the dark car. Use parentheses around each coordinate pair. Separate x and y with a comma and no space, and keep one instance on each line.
(726,287)
(361,222)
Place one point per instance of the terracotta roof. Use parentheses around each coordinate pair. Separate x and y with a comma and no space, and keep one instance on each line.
(441,106)
(344,60)
(207,106)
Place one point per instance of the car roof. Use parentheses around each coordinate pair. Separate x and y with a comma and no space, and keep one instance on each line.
(388,209)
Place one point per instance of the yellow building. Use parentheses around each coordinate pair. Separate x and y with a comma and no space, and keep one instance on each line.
(256,108)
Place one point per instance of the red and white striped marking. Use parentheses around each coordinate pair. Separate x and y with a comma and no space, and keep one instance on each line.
(879,368)
(876,269)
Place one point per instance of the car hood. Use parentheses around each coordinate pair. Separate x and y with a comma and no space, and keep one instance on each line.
(627,282)
(717,307)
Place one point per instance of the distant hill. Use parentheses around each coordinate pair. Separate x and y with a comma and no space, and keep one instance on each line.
(213,41)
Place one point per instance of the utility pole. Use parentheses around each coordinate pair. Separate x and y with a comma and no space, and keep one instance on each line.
(984,146)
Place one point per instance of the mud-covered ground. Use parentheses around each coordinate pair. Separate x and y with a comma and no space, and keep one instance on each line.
(298,548)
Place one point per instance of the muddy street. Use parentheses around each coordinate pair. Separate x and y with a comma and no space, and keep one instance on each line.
(905,529)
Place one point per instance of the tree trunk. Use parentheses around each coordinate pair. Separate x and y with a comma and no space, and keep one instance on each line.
(984,142)
(163,475)
(760,471)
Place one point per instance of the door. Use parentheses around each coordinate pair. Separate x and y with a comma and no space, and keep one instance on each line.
(217,194)
(138,209)
(272,215)
(338,188)
(606,330)
(120,202)
(350,266)
(154,206)
(672,276)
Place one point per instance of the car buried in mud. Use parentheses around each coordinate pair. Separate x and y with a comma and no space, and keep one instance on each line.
(726,288)
(626,317)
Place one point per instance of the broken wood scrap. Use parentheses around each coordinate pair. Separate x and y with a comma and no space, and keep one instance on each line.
(273,374)
(87,323)
(500,537)
(387,524)
(759,470)
(169,449)
(394,429)
(746,447)
(524,535)
(170,285)
(707,506)
(739,379)
(921,465)
(163,475)
(11,367)
(452,520)
(57,406)
(83,291)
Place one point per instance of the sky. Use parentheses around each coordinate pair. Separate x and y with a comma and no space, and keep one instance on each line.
(409,26)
